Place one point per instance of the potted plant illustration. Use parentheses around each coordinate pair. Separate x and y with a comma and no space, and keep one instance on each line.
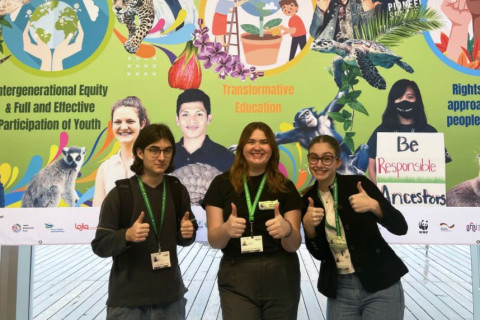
(261,43)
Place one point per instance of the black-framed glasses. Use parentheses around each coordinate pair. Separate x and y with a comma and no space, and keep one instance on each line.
(325,159)
(155,152)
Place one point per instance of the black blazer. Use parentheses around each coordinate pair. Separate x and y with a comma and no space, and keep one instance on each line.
(375,263)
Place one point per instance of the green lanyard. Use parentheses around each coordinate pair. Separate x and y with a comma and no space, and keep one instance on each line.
(149,207)
(252,206)
(335,207)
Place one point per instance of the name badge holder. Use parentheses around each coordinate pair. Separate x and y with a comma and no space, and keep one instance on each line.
(160,259)
(252,243)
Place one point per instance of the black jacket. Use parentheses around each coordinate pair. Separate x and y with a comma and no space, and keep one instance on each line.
(375,263)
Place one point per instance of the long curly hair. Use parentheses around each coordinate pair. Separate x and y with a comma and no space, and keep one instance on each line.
(276,181)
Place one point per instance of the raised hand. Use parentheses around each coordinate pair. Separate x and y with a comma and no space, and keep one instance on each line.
(368,5)
(457,11)
(235,225)
(314,215)
(361,202)
(186,227)
(39,49)
(66,49)
(277,227)
(474,7)
(138,232)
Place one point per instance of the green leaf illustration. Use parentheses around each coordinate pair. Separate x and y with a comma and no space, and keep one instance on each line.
(250,28)
(273,23)
(355,105)
(337,116)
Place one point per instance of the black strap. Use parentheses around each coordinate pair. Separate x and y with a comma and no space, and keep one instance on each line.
(126,200)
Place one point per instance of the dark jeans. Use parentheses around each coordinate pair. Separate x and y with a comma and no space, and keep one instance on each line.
(353,302)
(162,311)
(260,288)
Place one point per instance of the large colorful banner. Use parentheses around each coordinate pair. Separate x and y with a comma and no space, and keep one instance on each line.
(79,79)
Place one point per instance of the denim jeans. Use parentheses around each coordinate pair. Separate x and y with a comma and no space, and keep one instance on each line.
(353,302)
(162,311)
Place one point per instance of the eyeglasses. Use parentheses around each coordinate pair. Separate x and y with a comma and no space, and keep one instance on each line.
(326,159)
(155,152)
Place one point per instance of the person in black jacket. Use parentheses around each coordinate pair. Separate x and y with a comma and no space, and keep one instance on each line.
(141,228)
(360,274)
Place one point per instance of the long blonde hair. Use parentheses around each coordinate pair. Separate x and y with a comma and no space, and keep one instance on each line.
(276,181)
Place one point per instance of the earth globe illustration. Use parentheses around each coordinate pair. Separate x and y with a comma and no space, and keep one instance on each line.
(53,21)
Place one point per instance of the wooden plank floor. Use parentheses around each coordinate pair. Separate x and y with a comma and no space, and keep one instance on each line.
(70,282)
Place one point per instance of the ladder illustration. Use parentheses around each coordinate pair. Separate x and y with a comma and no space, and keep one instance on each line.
(233,36)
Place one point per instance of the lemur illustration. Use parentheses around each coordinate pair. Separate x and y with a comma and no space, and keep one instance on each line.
(56,181)
(466,193)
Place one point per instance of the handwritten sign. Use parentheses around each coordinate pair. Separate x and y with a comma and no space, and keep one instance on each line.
(410,168)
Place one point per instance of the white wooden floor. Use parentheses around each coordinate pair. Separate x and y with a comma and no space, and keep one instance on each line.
(70,282)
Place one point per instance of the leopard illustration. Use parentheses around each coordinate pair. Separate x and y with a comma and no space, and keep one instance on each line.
(126,10)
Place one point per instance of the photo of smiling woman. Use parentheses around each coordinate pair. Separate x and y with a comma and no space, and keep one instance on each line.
(359,274)
(404,113)
(128,117)
(253,215)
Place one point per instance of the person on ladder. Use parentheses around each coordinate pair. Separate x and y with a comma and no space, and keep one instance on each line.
(219,24)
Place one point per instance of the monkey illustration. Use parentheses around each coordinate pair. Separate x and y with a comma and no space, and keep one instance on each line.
(466,193)
(308,124)
(56,181)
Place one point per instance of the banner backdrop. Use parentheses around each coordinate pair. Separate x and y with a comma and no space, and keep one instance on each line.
(64,65)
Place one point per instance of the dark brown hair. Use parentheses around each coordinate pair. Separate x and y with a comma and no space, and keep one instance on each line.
(148,135)
(285,2)
(275,179)
(326,139)
(332,142)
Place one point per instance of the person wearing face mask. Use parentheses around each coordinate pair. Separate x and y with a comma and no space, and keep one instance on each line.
(360,273)
(404,113)
(128,117)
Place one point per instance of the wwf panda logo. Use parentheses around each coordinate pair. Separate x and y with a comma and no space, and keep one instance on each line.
(423,225)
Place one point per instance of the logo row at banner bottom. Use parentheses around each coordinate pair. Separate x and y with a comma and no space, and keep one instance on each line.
(28,226)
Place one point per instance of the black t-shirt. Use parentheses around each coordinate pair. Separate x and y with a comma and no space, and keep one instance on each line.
(221,194)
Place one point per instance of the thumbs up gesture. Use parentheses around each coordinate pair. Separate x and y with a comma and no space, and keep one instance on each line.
(186,226)
(138,232)
(235,225)
(277,227)
(361,202)
(314,215)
